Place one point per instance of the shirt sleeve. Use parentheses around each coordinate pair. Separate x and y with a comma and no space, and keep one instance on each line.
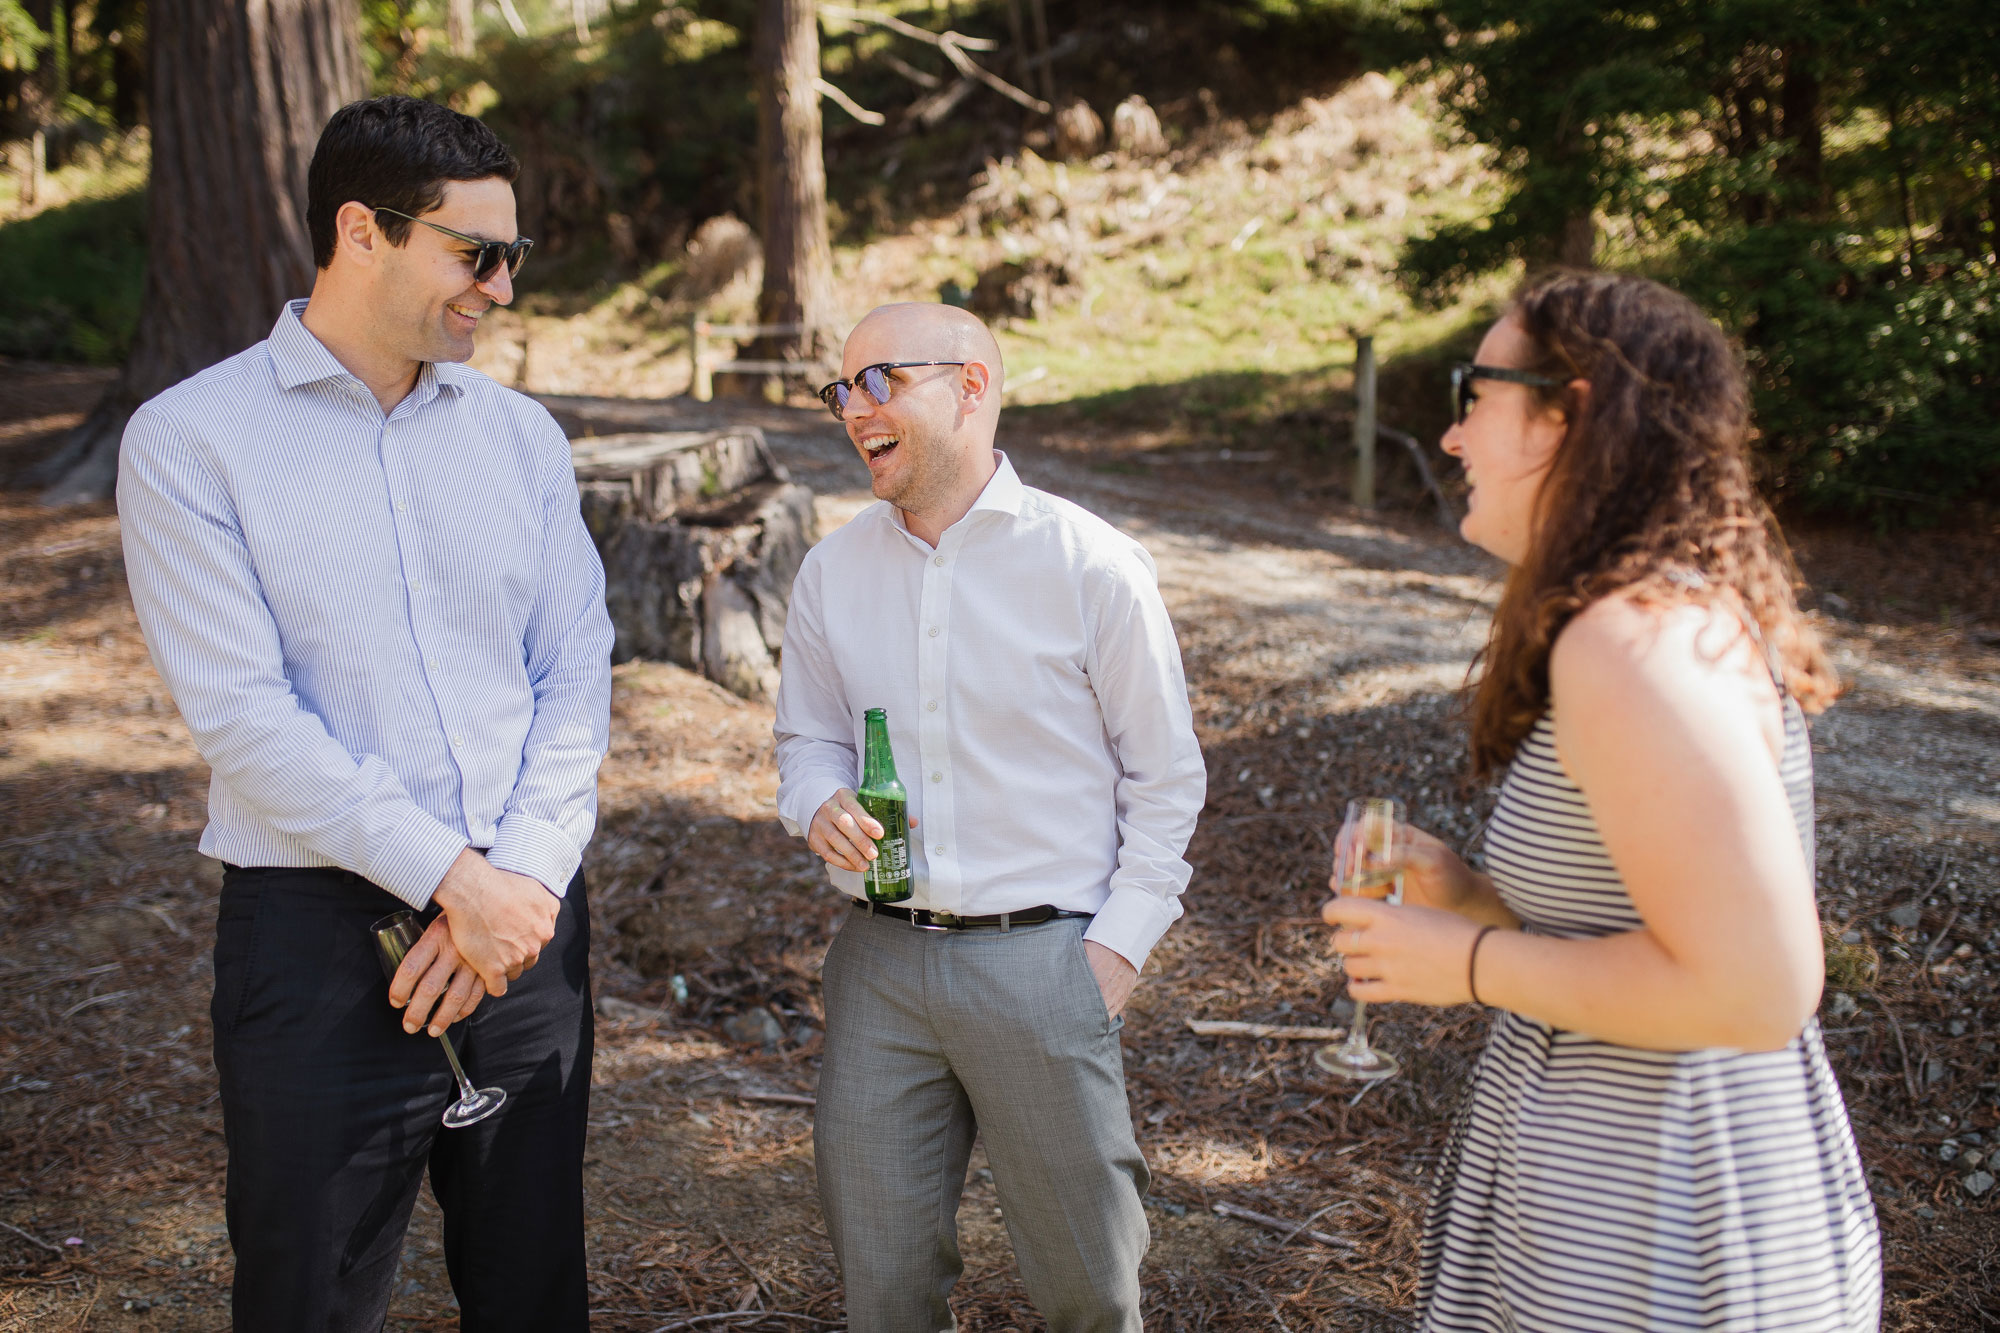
(1135,669)
(214,642)
(814,727)
(552,810)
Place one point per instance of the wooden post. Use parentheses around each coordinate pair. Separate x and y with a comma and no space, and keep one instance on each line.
(701,384)
(1038,11)
(1019,32)
(1364,421)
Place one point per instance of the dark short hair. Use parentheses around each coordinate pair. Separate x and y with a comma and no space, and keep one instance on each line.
(395,152)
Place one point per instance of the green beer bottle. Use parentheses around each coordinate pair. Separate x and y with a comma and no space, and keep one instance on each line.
(887,878)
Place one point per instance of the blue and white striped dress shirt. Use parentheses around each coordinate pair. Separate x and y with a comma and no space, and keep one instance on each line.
(387,634)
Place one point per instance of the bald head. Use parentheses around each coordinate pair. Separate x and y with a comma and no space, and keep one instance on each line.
(925,331)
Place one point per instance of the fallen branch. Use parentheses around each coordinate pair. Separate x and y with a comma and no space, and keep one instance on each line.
(1024,379)
(1938,940)
(734,1315)
(1446,514)
(922,78)
(778,1098)
(1203,1027)
(933,107)
(625,1011)
(770,1296)
(954,46)
(964,65)
(1896,1028)
(32,1239)
(848,104)
(894,24)
(94,1001)
(1269,1223)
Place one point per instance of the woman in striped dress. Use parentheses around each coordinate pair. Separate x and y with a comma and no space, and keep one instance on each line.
(1653,1138)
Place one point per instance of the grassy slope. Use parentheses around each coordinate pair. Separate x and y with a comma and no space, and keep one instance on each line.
(1213,293)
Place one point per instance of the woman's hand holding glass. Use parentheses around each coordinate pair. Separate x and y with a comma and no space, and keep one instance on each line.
(1415,950)
(1415,955)
(1433,874)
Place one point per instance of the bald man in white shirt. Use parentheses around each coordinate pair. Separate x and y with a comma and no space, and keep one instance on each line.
(1040,721)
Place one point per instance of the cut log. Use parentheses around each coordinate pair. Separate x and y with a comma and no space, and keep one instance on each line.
(701,533)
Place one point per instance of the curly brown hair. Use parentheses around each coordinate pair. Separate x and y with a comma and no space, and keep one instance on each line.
(1649,493)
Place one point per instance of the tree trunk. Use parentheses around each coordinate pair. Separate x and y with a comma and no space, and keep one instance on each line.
(1038,10)
(1578,246)
(1803,168)
(798,260)
(458,27)
(240,90)
(38,101)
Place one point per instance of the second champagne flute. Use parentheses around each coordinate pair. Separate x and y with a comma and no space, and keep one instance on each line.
(395,935)
(1368,863)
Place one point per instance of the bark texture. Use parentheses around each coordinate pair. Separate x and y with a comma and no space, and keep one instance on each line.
(239,91)
(458,27)
(798,260)
(701,534)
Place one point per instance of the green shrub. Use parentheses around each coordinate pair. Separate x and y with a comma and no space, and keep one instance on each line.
(1876,390)
(71,279)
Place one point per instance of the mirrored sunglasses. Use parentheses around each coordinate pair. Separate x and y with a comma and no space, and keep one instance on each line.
(873,380)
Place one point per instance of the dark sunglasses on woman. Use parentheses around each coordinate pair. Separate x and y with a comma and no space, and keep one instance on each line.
(874,380)
(1465,372)
(488,254)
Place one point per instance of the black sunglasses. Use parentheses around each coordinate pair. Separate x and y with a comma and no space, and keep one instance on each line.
(490,253)
(875,379)
(1465,372)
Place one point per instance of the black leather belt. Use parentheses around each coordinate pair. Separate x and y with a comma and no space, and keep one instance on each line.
(924,919)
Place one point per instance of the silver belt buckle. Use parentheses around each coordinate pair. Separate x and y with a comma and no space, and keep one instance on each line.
(942,921)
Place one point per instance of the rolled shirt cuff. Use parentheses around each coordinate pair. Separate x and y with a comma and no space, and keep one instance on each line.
(1131,922)
(535,848)
(412,862)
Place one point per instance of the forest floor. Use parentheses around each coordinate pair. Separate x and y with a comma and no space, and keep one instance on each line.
(1324,649)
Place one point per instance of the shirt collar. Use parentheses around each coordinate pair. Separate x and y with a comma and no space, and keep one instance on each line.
(1003,489)
(1001,495)
(299,359)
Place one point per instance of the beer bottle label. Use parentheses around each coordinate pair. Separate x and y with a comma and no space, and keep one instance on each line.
(893,858)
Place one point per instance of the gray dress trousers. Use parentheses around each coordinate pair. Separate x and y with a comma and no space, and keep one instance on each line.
(933,1035)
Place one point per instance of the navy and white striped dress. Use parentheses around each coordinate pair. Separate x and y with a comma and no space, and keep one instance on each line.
(1595,1187)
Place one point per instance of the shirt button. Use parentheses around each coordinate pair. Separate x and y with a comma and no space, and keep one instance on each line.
(931,707)
(431,665)
(457,741)
(401,508)
(939,562)
(937,777)
(416,585)
(939,849)
(934,631)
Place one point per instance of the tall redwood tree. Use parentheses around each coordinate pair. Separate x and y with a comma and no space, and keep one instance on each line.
(239,90)
(798,259)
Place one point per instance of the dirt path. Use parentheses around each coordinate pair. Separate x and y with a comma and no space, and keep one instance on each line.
(1323,652)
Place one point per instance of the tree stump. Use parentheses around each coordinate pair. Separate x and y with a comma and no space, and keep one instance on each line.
(701,533)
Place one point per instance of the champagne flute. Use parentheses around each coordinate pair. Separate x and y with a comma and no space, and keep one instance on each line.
(395,935)
(1368,863)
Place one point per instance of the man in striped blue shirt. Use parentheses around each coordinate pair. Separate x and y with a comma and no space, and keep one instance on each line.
(361,570)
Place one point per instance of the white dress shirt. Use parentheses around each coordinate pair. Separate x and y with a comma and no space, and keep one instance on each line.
(1037,709)
(387,634)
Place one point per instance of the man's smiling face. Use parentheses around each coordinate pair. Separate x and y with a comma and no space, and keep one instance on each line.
(430,305)
(907,441)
